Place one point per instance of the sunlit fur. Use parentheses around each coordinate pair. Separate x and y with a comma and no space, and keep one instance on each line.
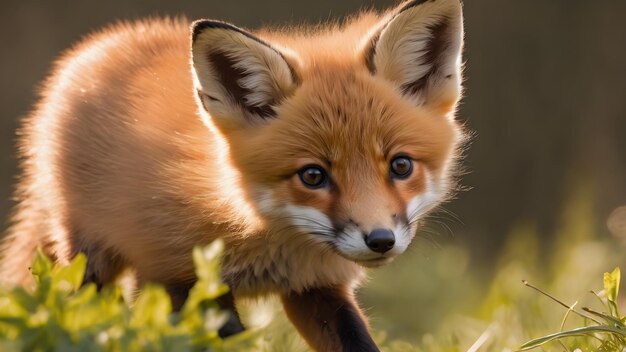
(126,158)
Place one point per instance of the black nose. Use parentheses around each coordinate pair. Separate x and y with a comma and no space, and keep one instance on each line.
(380,240)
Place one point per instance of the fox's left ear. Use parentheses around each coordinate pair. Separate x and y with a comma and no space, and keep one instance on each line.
(418,48)
(239,78)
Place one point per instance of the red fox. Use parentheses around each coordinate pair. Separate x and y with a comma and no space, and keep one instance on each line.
(313,153)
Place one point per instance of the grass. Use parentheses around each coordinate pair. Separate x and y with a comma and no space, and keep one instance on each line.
(435,303)
(607,328)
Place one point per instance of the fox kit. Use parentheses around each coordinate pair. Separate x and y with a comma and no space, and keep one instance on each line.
(312,153)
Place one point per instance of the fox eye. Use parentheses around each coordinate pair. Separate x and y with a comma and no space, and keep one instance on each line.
(401,167)
(313,176)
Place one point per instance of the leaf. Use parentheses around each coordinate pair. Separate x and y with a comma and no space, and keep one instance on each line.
(611,284)
(69,278)
(207,261)
(41,265)
(152,308)
(22,299)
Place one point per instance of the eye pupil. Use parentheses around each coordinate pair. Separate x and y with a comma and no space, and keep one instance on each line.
(313,176)
(401,167)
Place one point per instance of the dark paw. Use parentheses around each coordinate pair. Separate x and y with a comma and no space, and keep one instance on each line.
(233,326)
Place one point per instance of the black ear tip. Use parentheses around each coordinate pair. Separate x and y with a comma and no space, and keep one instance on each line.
(411,4)
(199,26)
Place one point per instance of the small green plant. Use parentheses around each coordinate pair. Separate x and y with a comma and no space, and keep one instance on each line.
(607,329)
(62,314)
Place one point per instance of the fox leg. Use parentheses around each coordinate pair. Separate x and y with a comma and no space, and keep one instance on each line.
(103,265)
(179,292)
(329,320)
(233,325)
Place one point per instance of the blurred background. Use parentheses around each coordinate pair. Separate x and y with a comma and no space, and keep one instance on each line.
(545,96)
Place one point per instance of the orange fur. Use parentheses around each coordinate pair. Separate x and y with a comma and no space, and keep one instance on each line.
(134,157)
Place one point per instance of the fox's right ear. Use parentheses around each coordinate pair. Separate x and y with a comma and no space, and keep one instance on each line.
(418,48)
(238,77)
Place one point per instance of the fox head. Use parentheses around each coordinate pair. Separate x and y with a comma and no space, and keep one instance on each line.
(345,135)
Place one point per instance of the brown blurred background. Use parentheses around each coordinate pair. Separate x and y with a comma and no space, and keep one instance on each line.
(545,95)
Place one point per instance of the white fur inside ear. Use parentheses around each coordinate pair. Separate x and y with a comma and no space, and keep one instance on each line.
(267,76)
(234,71)
(420,51)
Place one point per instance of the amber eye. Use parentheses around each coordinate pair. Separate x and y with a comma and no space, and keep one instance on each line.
(401,167)
(313,176)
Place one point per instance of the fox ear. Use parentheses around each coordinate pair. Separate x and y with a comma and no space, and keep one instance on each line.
(419,49)
(237,74)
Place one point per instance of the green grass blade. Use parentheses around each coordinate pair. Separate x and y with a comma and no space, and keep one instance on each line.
(608,318)
(572,333)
